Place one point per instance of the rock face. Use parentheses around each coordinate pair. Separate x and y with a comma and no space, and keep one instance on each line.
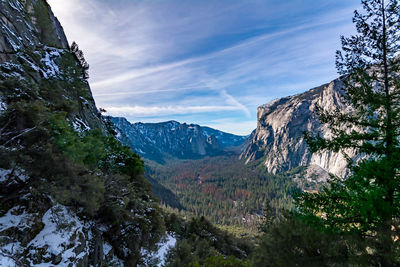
(38,70)
(18,32)
(156,141)
(278,141)
(33,51)
(33,44)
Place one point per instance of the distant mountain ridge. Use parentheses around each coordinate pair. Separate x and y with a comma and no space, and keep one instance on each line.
(157,141)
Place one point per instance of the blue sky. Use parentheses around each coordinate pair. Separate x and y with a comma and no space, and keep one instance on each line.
(206,62)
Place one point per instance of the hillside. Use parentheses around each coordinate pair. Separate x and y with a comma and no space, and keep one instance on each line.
(70,194)
(171,139)
(224,189)
(275,161)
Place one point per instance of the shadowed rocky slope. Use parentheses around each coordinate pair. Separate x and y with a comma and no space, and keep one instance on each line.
(70,194)
(159,141)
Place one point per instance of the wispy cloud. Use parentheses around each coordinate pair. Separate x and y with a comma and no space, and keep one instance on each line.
(204,61)
(146,111)
(232,126)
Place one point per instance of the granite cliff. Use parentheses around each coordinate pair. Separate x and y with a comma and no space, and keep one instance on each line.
(278,142)
(66,184)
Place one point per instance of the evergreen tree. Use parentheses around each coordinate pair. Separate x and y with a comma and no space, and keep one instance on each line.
(367,202)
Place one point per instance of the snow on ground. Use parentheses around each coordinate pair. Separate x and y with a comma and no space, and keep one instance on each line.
(8,36)
(7,254)
(106,248)
(13,219)
(7,261)
(3,105)
(63,238)
(5,175)
(163,248)
(16,6)
(80,126)
(11,70)
(52,69)
(62,234)
(111,259)
(31,64)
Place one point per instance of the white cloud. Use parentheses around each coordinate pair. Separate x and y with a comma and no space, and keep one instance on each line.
(154,58)
(146,111)
(231,126)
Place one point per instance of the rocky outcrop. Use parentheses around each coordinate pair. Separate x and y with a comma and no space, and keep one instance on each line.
(157,141)
(36,65)
(28,24)
(33,45)
(44,95)
(53,236)
(278,141)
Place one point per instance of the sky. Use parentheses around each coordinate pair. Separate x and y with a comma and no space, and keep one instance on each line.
(206,62)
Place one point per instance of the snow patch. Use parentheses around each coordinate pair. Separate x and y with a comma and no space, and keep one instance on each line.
(52,69)
(8,251)
(80,126)
(106,248)
(13,219)
(164,247)
(16,6)
(6,174)
(7,261)
(3,106)
(63,234)
(115,261)
(161,253)
(84,100)
(7,36)
(13,71)
(31,64)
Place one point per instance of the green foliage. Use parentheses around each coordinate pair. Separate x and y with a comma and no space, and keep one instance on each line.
(222,262)
(367,202)
(201,244)
(10,87)
(290,241)
(72,69)
(89,171)
(44,24)
(231,193)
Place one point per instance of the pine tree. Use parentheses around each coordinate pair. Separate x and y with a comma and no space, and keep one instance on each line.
(368,201)
(81,58)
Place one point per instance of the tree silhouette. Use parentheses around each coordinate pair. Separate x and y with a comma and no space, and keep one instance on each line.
(368,201)
(82,61)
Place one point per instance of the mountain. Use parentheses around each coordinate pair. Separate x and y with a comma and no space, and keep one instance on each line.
(278,141)
(70,193)
(36,51)
(158,141)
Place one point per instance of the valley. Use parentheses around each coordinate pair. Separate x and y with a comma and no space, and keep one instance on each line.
(317,183)
(224,190)
(231,180)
